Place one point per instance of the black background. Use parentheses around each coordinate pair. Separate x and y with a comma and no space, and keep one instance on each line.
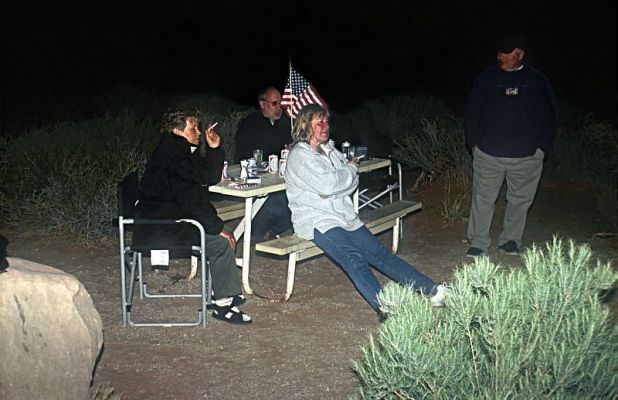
(65,52)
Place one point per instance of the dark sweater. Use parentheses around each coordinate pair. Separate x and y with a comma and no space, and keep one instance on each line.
(256,132)
(511,114)
(175,183)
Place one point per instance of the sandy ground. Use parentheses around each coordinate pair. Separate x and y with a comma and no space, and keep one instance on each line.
(302,349)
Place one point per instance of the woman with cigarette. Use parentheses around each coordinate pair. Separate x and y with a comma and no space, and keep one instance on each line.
(175,185)
(319,181)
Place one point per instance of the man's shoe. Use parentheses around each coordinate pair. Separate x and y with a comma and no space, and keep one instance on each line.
(474,252)
(437,299)
(509,248)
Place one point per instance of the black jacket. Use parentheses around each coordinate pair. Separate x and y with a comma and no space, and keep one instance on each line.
(175,185)
(511,114)
(256,132)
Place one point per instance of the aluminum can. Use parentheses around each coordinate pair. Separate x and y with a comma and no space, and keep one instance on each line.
(273,163)
(282,163)
(284,154)
(224,171)
(345,149)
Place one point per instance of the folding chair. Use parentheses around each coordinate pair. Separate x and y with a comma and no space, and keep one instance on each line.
(375,185)
(131,253)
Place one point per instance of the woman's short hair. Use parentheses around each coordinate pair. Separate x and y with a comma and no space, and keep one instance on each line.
(302,125)
(176,118)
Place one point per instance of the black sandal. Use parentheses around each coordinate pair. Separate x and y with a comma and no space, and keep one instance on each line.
(238,300)
(230,314)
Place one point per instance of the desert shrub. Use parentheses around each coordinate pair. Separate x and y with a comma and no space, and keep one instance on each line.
(64,177)
(429,138)
(585,149)
(403,115)
(228,115)
(537,332)
(105,392)
(438,150)
(119,98)
(457,191)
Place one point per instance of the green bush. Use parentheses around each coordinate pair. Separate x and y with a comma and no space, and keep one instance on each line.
(64,177)
(537,332)
(403,115)
(586,150)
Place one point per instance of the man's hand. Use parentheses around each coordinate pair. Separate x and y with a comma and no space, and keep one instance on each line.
(212,138)
(229,236)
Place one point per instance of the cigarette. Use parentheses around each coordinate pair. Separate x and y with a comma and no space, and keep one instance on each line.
(211,126)
(361,156)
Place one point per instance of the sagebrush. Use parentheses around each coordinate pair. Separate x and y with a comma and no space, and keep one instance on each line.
(538,332)
(63,178)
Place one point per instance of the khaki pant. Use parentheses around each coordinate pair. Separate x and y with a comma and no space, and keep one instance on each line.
(522,180)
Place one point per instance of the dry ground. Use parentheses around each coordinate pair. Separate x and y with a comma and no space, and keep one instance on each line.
(302,349)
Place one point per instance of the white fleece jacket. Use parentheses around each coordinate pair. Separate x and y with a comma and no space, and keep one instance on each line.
(318,188)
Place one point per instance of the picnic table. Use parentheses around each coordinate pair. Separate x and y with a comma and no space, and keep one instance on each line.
(255,195)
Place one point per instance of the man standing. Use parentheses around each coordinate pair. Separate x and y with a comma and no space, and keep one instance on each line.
(510,125)
(267,129)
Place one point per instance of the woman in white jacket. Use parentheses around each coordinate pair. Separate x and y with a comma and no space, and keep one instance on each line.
(319,182)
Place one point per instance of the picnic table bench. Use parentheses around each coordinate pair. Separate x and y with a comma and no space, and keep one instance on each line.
(377,221)
(228,210)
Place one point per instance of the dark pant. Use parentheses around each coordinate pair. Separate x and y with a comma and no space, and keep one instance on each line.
(355,250)
(273,218)
(225,279)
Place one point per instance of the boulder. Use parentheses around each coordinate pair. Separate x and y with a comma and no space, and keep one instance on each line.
(50,333)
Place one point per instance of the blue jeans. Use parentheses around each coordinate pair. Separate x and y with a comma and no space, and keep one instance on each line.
(273,218)
(355,250)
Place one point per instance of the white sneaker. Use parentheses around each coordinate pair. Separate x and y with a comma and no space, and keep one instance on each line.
(437,300)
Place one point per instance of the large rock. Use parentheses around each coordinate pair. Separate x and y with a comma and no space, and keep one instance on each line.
(50,333)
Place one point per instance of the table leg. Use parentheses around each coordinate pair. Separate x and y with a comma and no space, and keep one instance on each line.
(355,200)
(244,228)
(246,249)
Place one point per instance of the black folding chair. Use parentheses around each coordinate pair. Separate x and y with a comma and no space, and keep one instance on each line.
(132,250)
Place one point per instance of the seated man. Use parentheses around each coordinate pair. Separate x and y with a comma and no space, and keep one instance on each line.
(174,186)
(267,129)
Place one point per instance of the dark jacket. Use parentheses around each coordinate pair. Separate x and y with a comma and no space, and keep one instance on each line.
(175,185)
(511,114)
(256,132)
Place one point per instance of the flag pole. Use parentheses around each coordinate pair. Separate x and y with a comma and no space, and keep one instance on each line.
(290,82)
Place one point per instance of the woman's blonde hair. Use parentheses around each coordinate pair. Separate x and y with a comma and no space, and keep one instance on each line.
(302,125)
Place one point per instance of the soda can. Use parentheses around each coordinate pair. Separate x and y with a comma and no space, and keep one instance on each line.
(224,175)
(273,163)
(282,163)
(284,154)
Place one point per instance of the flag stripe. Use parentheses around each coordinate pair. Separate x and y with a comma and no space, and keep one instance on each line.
(298,93)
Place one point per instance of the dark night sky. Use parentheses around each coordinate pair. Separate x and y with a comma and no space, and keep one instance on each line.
(58,50)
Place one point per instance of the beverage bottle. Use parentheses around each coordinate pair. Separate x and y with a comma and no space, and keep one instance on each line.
(243,170)
(345,149)
(224,175)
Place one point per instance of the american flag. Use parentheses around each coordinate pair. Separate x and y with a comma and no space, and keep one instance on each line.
(299,95)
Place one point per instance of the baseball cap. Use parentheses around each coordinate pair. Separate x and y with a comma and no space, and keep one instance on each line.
(510,42)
